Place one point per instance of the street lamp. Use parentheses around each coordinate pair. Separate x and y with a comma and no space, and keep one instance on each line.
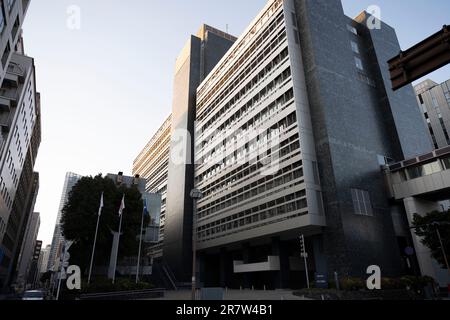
(195,195)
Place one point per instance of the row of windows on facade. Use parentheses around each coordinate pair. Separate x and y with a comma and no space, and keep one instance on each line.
(249,85)
(262,142)
(359,65)
(250,170)
(243,77)
(257,165)
(287,175)
(9,6)
(234,116)
(432,133)
(425,170)
(249,129)
(281,206)
(2,228)
(434,99)
(234,66)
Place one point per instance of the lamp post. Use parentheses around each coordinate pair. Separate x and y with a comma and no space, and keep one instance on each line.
(195,195)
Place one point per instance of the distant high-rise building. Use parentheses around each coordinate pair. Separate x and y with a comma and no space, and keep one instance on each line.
(43,259)
(152,164)
(33,272)
(434,103)
(70,181)
(28,248)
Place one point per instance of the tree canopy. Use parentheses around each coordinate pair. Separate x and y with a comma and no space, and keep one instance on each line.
(79,219)
(425,227)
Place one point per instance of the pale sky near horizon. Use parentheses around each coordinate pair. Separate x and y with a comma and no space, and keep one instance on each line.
(107,87)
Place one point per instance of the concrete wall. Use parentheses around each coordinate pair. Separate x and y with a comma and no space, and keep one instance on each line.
(196,60)
(351,131)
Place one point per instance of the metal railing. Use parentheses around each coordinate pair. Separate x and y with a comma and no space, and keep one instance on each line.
(124,295)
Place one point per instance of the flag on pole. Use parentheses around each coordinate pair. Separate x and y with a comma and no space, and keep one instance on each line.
(101,206)
(122,206)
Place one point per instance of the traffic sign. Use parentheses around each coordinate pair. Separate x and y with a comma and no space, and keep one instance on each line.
(409,251)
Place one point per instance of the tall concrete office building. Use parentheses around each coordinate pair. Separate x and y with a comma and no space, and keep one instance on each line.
(20,140)
(152,164)
(12,15)
(197,59)
(434,103)
(69,182)
(293,126)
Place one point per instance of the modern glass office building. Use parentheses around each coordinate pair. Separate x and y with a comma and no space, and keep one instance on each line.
(57,241)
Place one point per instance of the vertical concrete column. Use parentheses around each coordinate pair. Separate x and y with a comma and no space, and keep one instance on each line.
(113,258)
(281,278)
(415,206)
(320,259)
(246,258)
(223,268)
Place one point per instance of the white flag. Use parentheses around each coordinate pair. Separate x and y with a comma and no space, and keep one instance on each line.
(101,205)
(122,206)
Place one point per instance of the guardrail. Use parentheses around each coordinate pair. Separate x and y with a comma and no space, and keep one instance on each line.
(125,295)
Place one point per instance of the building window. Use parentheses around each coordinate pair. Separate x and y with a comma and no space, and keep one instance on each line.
(421,99)
(435,102)
(352,29)
(359,64)
(9,4)
(447,96)
(5,55)
(446,163)
(361,202)
(355,47)
(2,21)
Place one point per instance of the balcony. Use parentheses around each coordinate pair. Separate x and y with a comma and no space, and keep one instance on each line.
(8,98)
(272,264)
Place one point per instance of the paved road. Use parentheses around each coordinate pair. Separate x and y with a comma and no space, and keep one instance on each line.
(238,295)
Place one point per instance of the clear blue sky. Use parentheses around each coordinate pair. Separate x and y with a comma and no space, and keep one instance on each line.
(107,87)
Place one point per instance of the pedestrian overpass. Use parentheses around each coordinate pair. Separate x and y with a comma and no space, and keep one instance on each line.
(423,185)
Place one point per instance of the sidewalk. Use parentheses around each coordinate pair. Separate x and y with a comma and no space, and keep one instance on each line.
(238,295)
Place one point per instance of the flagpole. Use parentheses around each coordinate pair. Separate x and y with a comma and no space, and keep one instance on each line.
(95,238)
(122,206)
(93,250)
(140,246)
(115,266)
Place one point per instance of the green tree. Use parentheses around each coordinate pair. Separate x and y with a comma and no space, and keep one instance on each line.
(79,219)
(425,227)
